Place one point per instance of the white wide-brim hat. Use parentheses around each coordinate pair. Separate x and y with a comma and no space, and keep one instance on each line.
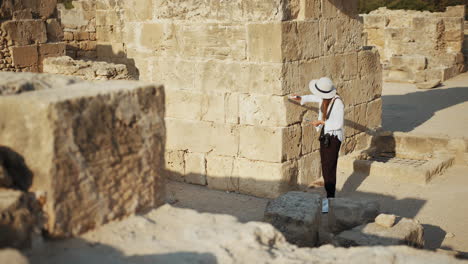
(323,87)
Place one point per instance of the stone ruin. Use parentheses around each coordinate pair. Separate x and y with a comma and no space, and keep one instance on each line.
(90,153)
(227,69)
(80,154)
(417,46)
(29,33)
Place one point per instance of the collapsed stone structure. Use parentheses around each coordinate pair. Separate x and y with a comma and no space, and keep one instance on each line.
(228,67)
(417,46)
(79,28)
(92,153)
(29,33)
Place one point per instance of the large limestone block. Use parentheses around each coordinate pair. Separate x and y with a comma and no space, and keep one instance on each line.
(222,173)
(25,56)
(12,256)
(310,169)
(405,232)
(347,213)
(16,219)
(96,151)
(175,164)
(265,179)
(340,35)
(195,168)
(260,110)
(202,137)
(297,216)
(237,10)
(270,143)
(283,41)
(212,40)
(242,77)
(25,32)
(374,114)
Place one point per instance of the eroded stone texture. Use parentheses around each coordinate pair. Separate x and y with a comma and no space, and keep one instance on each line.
(346,213)
(417,46)
(87,70)
(17,222)
(405,232)
(95,150)
(297,216)
(29,32)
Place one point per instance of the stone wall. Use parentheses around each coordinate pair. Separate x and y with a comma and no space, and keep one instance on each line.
(95,152)
(417,46)
(228,67)
(29,32)
(79,26)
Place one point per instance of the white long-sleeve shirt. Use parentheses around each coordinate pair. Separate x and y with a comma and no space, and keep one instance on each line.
(335,123)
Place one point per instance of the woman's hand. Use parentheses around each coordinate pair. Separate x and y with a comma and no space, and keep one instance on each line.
(295,98)
(318,123)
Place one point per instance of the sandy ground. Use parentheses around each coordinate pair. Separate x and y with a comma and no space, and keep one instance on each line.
(440,111)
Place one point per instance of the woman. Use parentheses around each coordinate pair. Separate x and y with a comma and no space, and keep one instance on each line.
(331,123)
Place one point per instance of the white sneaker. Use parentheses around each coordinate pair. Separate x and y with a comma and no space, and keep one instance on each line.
(325,205)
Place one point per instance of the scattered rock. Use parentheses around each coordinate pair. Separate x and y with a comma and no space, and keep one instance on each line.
(87,70)
(385,220)
(428,85)
(297,216)
(449,235)
(405,232)
(16,220)
(346,213)
(212,238)
(12,256)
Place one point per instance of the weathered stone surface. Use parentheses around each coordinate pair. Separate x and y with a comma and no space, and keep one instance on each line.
(25,32)
(97,151)
(405,232)
(87,70)
(297,216)
(12,256)
(19,83)
(16,220)
(54,30)
(25,56)
(428,85)
(214,238)
(346,213)
(385,220)
(413,44)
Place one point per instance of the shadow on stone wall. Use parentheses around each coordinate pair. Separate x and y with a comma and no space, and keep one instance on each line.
(107,53)
(16,168)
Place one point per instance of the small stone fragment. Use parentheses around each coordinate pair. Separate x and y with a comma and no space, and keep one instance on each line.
(385,220)
(449,235)
(428,85)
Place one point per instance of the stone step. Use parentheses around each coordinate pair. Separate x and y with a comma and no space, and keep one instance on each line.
(406,157)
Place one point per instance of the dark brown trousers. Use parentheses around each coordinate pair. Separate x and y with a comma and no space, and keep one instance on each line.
(329,159)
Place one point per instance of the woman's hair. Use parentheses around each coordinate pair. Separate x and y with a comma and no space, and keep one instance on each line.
(325,104)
